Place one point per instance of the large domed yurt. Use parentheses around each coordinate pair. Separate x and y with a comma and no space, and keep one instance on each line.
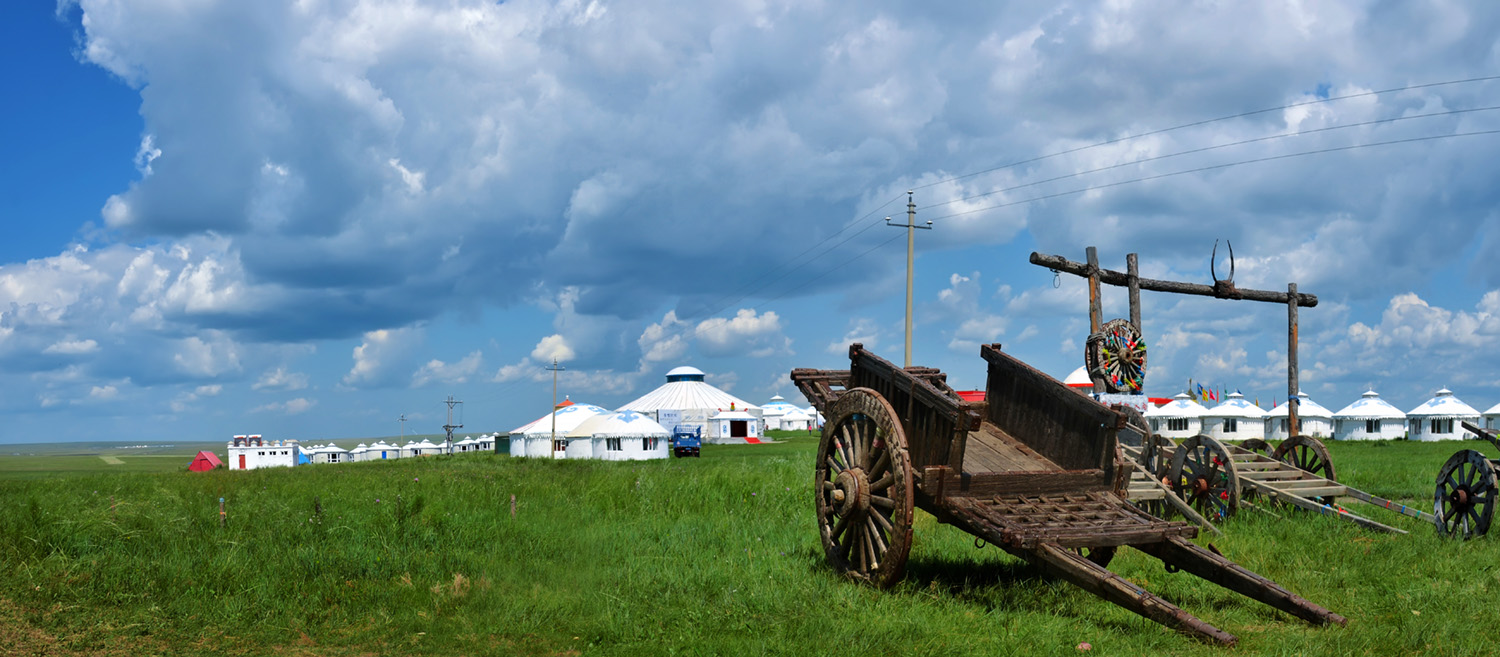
(1180,418)
(536,438)
(1369,418)
(685,401)
(1234,419)
(622,436)
(1312,420)
(1440,418)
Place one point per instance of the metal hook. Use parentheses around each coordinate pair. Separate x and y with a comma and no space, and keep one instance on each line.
(1212,258)
(1056,279)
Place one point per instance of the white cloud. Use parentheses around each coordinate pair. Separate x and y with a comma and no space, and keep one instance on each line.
(862,330)
(72,347)
(288,407)
(553,348)
(440,372)
(103,392)
(382,355)
(280,379)
(663,342)
(745,334)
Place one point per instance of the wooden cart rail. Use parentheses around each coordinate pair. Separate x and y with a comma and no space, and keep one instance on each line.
(1033,471)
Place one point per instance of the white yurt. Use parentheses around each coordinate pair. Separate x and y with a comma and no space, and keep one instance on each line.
(358,453)
(486,442)
(1491,417)
(773,412)
(796,420)
(1369,418)
(535,438)
(427,448)
(330,453)
(381,451)
(1079,380)
(1438,418)
(409,449)
(1312,420)
(817,418)
(622,436)
(466,445)
(1234,419)
(1180,418)
(687,401)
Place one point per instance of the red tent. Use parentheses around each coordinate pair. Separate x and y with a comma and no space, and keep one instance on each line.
(204,461)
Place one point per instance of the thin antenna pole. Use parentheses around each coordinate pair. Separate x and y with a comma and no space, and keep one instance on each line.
(402,420)
(911,241)
(555,369)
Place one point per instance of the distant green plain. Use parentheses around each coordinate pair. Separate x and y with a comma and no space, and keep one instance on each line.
(710,556)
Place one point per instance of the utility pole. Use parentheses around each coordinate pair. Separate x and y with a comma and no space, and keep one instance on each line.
(555,369)
(402,420)
(911,241)
(450,426)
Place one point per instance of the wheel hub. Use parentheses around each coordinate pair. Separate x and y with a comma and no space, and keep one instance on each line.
(1200,485)
(1460,497)
(852,493)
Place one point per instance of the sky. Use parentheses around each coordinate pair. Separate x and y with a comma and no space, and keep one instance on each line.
(310,218)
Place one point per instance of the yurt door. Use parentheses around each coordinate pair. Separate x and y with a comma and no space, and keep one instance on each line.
(242,461)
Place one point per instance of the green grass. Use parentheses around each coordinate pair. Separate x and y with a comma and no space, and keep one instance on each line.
(710,556)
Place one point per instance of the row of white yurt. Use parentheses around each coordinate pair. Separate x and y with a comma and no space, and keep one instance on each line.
(1441,418)
(547,436)
(1369,418)
(1180,418)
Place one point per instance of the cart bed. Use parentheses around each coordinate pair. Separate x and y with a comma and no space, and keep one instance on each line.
(991,450)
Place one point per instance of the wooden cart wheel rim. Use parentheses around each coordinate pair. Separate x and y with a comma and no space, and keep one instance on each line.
(1308,454)
(1464,498)
(1204,475)
(868,540)
(1259,446)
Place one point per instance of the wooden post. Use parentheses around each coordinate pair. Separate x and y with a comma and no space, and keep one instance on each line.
(1096,312)
(222,518)
(512,506)
(1133,283)
(1292,386)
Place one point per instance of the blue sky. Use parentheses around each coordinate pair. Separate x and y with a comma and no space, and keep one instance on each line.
(304,219)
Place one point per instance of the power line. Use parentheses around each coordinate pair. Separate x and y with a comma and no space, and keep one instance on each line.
(1205,149)
(1195,124)
(1221,166)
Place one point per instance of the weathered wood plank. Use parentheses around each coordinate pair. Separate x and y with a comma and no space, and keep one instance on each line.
(1188,556)
(1032,483)
(1123,280)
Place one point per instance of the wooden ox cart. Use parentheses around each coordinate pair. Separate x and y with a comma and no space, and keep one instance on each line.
(1035,470)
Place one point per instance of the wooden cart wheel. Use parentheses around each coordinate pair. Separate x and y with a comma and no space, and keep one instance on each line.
(864,489)
(1257,446)
(1119,353)
(1136,427)
(1465,499)
(1204,476)
(1308,454)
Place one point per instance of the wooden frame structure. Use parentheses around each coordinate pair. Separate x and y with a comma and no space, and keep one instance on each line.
(1035,470)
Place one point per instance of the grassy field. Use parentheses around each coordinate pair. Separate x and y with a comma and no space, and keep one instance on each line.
(697,556)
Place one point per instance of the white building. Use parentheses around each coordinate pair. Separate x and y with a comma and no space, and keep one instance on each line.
(1312,420)
(1369,418)
(1234,419)
(773,413)
(796,420)
(252,451)
(621,436)
(358,453)
(485,443)
(547,436)
(466,445)
(1180,418)
(329,453)
(381,451)
(1491,417)
(687,401)
(1438,418)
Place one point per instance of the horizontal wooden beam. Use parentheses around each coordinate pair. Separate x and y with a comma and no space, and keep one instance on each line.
(1120,279)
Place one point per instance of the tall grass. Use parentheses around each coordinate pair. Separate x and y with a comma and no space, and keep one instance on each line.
(695,556)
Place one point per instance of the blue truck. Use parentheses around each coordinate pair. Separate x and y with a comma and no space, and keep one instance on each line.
(686,441)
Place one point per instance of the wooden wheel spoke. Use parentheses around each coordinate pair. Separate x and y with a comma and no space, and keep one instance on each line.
(883,502)
(840,527)
(883,483)
(882,464)
(881,520)
(833,464)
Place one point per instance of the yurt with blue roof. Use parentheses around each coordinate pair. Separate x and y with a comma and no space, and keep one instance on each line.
(1180,418)
(623,436)
(547,436)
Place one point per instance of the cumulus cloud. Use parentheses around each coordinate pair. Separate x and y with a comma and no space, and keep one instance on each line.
(862,330)
(288,407)
(382,357)
(436,371)
(280,379)
(553,348)
(746,334)
(72,347)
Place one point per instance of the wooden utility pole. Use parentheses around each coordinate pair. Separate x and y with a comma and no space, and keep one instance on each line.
(1221,289)
(911,242)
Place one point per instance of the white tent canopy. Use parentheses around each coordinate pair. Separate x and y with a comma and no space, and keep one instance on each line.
(690,402)
(535,438)
(622,436)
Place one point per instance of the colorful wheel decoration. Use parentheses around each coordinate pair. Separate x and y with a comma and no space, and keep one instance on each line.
(1120,353)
